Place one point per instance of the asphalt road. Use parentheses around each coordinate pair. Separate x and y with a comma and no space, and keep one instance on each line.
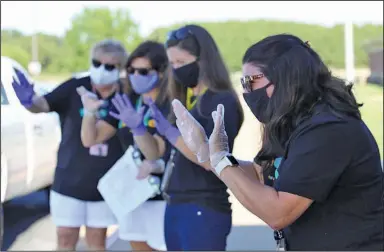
(27,226)
(20,214)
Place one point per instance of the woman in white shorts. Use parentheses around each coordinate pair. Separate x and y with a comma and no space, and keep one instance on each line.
(75,200)
(146,68)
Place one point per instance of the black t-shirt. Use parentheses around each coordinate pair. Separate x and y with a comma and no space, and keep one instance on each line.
(190,182)
(149,122)
(79,168)
(335,161)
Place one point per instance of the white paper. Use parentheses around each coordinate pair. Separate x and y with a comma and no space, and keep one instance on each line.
(121,190)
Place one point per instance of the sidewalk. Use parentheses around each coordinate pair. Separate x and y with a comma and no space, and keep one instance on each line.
(248,233)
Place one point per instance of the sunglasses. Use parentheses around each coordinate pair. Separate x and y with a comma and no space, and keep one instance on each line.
(247,80)
(141,71)
(179,34)
(109,67)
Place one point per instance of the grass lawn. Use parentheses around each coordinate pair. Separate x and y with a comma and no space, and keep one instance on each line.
(52,78)
(372,111)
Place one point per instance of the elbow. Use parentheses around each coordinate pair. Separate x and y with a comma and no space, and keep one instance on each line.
(274,218)
(279,223)
(87,143)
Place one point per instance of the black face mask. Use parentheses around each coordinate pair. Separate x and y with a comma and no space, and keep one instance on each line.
(188,75)
(257,101)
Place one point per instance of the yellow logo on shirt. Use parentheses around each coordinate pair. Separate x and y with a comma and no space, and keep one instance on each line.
(151,123)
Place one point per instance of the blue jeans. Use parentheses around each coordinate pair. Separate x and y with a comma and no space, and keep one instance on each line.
(190,226)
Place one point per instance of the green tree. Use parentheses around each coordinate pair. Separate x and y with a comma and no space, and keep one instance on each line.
(15,52)
(93,25)
(234,37)
(19,47)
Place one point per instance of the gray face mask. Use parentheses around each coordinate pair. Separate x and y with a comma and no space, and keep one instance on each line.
(102,77)
(144,83)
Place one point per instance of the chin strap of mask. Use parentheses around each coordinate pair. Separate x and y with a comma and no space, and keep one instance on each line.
(192,99)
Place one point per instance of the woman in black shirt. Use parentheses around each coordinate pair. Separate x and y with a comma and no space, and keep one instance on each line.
(198,213)
(327,192)
(147,78)
(75,200)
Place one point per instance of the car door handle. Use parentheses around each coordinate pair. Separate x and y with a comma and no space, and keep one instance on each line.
(38,129)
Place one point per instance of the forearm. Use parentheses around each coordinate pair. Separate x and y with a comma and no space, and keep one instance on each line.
(261,200)
(149,146)
(40,105)
(89,130)
(251,169)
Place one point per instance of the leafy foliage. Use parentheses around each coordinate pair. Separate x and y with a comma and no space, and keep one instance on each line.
(70,53)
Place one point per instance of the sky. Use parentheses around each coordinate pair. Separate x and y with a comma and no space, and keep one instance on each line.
(54,17)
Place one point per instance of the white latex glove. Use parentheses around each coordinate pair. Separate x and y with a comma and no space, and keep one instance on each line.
(90,101)
(147,167)
(192,132)
(218,141)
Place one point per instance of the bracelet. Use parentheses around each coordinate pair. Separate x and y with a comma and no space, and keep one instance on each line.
(160,162)
(89,113)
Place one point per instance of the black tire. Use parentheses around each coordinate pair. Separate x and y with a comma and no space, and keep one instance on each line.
(47,191)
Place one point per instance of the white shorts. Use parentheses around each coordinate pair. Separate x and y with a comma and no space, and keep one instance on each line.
(146,224)
(70,212)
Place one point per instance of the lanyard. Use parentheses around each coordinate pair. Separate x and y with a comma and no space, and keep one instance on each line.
(147,115)
(190,104)
(280,240)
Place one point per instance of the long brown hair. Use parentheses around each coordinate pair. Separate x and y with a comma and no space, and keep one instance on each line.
(213,72)
(301,80)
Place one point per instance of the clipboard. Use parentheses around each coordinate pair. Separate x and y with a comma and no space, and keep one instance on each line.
(121,190)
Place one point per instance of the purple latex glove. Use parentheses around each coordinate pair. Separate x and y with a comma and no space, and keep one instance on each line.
(23,89)
(128,115)
(163,126)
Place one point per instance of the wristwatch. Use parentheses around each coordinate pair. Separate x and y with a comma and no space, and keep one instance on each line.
(228,160)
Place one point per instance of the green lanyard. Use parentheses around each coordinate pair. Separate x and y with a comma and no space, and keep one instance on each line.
(147,116)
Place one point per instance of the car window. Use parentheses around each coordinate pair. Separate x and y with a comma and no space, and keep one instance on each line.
(4,98)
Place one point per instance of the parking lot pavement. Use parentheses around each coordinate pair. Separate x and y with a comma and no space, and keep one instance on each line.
(29,227)
(248,233)
(255,237)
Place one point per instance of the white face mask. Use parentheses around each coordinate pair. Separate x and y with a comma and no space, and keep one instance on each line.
(101,77)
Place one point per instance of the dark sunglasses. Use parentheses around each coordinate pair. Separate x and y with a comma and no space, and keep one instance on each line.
(141,71)
(179,34)
(97,64)
(247,80)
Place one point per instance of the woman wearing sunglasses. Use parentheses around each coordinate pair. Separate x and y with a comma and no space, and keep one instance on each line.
(75,200)
(326,191)
(147,78)
(198,213)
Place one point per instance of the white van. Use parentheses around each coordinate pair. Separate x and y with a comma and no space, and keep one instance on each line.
(29,142)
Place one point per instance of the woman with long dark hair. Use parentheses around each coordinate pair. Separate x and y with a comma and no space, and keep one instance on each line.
(198,213)
(322,187)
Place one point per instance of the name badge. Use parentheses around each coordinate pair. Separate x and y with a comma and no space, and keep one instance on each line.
(99,150)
